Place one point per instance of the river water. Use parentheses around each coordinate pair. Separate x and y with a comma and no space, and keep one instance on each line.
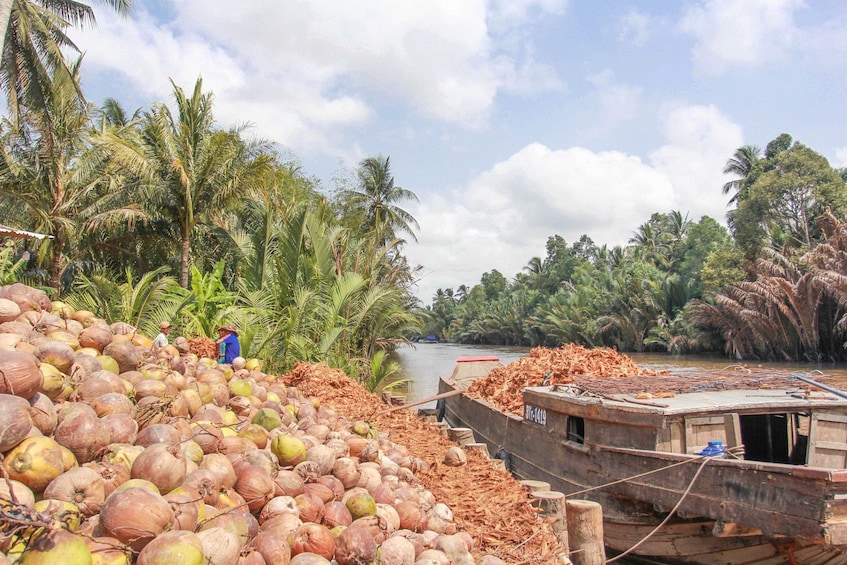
(425,363)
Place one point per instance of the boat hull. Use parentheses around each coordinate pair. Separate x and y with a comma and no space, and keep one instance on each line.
(536,452)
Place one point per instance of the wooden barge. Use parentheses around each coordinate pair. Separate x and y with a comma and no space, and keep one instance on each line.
(772,492)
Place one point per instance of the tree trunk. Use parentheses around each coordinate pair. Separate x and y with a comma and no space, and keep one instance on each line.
(56,263)
(183,262)
(5,16)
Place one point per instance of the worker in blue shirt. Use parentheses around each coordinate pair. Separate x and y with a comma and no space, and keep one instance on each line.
(228,346)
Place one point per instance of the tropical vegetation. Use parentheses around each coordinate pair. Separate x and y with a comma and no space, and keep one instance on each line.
(770,286)
(162,214)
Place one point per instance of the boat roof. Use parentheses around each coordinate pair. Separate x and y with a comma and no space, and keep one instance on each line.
(696,401)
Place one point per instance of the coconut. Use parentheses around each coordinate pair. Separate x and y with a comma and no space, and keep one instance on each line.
(66,337)
(84,434)
(9,310)
(124,353)
(220,546)
(354,546)
(82,486)
(361,504)
(57,546)
(289,450)
(313,538)
(135,516)
(35,462)
(397,550)
(57,353)
(15,421)
(455,457)
(273,548)
(16,491)
(96,337)
(28,298)
(20,374)
(178,546)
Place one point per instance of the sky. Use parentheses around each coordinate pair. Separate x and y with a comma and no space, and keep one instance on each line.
(511,120)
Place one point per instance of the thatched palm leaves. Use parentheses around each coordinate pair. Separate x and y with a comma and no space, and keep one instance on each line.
(793,310)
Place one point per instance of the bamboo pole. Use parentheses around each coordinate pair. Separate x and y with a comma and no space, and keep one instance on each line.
(424,401)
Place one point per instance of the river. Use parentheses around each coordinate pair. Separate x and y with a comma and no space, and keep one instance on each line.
(425,363)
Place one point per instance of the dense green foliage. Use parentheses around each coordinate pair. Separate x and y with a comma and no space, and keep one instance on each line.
(164,215)
(766,288)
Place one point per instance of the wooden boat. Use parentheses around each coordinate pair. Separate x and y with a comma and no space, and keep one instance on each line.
(773,491)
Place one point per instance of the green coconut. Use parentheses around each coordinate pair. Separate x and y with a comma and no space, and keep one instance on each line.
(289,450)
(268,418)
(57,546)
(360,505)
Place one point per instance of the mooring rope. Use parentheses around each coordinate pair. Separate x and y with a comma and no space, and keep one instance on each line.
(729,452)
(661,524)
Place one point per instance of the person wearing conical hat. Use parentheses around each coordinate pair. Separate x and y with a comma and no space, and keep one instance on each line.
(162,339)
(228,346)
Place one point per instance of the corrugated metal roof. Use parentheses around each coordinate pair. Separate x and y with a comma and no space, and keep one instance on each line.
(6,231)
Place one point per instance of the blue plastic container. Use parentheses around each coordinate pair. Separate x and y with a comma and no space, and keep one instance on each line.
(714,449)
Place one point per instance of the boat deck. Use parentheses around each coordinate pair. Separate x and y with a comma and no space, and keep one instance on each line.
(697,401)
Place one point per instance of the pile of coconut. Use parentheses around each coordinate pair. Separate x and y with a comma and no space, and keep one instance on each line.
(115,452)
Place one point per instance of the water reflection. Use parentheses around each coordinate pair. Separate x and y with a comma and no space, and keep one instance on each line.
(425,363)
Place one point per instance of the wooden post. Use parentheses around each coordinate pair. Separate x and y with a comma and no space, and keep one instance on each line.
(535,486)
(428,414)
(552,505)
(585,532)
(481,447)
(442,428)
(462,436)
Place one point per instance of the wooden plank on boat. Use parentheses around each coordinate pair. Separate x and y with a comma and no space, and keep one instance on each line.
(730,529)
(729,490)
(700,430)
(828,440)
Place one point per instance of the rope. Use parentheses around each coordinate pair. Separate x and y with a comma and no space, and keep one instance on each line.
(670,514)
(729,452)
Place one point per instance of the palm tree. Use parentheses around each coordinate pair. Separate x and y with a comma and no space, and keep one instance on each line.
(54,176)
(378,198)
(142,303)
(649,244)
(33,36)
(192,171)
(741,165)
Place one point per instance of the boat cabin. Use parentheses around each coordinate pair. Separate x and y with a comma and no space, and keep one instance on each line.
(788,426)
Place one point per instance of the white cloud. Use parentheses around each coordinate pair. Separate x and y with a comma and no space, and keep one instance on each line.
(304,73)
(840,157)
(699,141)
(739,32)
(503,217)
(618,102)
(636,27)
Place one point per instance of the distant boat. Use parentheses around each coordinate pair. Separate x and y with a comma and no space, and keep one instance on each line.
(429,339)
(722,476)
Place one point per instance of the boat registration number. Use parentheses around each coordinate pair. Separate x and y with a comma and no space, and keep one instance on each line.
(535,414)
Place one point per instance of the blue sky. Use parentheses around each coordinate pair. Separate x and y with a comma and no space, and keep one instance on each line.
(512,120)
